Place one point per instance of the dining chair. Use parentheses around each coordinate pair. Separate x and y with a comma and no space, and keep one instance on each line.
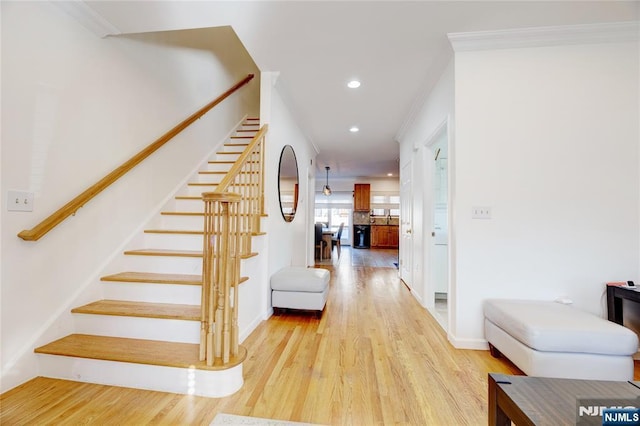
(335,241)
(320,243)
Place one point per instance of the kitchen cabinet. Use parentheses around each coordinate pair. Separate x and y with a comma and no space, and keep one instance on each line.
(385,236)
(362,197)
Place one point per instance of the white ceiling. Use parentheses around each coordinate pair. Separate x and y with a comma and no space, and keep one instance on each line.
(397,49)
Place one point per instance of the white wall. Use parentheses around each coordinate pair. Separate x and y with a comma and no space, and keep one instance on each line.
(288,241)
(548,138)
(73,108)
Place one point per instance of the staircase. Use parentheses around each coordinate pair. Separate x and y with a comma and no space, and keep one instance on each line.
(146,332)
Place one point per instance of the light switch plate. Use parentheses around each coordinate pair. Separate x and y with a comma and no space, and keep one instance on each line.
(481,212)
(19,201)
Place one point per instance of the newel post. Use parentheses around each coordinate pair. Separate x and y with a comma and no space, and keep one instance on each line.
(220,277)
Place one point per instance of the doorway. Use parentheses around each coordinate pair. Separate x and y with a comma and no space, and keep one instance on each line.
(438,288)
(406,226)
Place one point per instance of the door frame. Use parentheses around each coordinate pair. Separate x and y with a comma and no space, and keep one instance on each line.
(405,269)
(444,128)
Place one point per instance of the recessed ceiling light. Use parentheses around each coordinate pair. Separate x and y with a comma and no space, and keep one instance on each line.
(354,129)
(389,174)
(353,84)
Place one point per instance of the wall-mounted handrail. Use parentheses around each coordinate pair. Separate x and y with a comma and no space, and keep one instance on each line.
(72,206)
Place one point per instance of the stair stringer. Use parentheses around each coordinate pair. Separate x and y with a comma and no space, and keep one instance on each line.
(188,381)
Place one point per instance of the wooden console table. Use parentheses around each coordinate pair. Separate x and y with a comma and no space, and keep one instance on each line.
(615,296)
(547,401)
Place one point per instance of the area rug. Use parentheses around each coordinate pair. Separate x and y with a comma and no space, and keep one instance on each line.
(232,419)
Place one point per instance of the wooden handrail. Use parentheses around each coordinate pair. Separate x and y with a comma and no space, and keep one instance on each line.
(72,206)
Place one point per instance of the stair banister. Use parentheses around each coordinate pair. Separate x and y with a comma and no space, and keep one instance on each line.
(72,206)
(232,217)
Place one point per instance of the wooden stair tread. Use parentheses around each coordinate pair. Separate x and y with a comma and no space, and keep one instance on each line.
(165,252)
(175,253)
(227,162)
(181,232)
(126,308)
(153,277)
(207,172)
(199,197)
(174,213)
(139,351)
(173,231)
(218,183)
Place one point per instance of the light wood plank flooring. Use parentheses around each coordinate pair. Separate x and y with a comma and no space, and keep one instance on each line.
(374,357)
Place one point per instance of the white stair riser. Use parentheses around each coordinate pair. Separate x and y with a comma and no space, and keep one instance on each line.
(208,178)
(197,190)
(218,167)
(153,293)
(226,156)
(235,147)
(189,206)
(212,384)
(173,241)
(138,328)
(162,264)
(191,223)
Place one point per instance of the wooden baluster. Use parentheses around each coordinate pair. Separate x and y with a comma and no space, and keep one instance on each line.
(215,288)
(236,282)
(206,278)
(222,256)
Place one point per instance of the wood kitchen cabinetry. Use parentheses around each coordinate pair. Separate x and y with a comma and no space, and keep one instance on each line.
(361,197)
(385,236)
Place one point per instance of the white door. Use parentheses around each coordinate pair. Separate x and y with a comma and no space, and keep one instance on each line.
(406,236)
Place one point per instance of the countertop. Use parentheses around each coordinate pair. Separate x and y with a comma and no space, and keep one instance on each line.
(383,220)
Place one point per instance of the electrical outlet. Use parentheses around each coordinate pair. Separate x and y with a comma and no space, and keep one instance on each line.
(482,212)
(19,201)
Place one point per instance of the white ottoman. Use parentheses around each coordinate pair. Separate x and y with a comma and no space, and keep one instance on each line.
(550,339)
(296,287)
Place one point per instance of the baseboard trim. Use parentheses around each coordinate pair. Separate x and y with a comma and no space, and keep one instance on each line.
(474,344)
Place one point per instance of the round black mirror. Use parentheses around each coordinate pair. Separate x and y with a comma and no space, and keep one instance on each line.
(288,183)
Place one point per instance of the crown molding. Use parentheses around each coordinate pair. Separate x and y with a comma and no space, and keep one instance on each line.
(546,36)
(88,18)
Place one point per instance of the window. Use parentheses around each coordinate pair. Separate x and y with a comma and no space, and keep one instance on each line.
(334,210)
(385,203)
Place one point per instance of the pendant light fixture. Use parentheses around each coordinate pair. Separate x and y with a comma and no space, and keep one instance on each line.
(326,190)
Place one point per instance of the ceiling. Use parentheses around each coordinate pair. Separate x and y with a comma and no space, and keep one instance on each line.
(397,49)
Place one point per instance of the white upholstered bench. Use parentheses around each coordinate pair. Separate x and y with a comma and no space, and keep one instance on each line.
(301,288)
(550,339)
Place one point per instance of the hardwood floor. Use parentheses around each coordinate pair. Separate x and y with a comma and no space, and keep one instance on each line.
(374,357)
